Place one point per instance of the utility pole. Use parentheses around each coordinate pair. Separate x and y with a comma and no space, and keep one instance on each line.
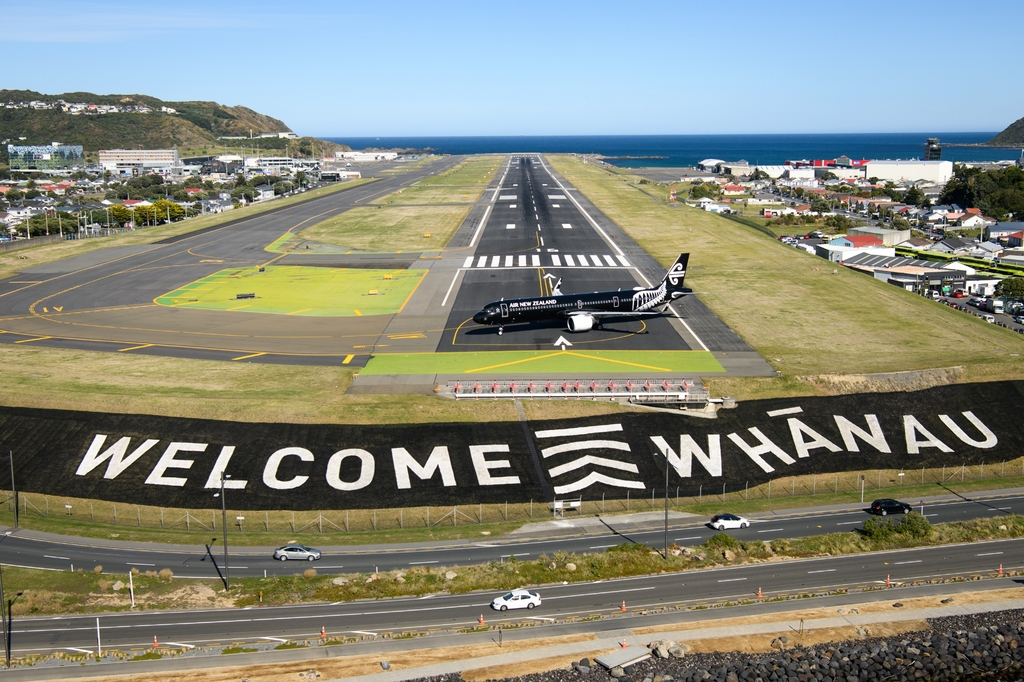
(14,490)
(224,523)
(3,611)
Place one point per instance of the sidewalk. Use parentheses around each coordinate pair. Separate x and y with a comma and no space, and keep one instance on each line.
(584,526)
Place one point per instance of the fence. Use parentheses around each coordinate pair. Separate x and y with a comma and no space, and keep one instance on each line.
(884,482)
(25,243)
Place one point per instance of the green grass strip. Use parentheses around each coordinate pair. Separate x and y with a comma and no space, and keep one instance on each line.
(299,290)
(547,362)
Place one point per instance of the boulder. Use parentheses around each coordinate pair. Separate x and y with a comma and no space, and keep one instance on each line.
(570,567)
(384,665)
(617,672)
(729,555)
(339,581)
(675,552)
(450,575)
(400,579)
(583,669)
(552,565)
(117,586)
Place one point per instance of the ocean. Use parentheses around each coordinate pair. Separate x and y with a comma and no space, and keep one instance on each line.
(636,151)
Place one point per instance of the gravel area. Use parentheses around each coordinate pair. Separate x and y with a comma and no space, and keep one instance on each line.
(988,646)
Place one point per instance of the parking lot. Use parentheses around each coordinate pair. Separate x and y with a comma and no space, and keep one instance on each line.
(973,306)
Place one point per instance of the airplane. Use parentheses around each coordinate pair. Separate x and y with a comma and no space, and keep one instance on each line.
(582,312)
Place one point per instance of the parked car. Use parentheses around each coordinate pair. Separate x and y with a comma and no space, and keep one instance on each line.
(991,319)
(296,553)
(723,521)
(516,599)
(1019,319)
(887,506)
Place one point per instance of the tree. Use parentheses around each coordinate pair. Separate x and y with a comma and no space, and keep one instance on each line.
(1011,286)
(13,195)
(759,174)
(300,178)
(819,205)
(914,197)
(829,175)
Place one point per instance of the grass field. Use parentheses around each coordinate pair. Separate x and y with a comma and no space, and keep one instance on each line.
(302,291)
(551,363)
(805,315)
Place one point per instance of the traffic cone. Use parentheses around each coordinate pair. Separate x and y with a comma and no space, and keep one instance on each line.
(323,632)
(887,581)
(759,595)
(623,643)
(481,621)
(623,609)
(155,643)
(1000,569)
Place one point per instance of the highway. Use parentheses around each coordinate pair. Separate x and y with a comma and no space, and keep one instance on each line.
(193,562)
(448,611)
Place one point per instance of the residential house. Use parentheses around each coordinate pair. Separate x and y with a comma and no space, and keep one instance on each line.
(858,241)
(1015,240)
(953,245)
(987,250)
(916,243)
(264,192)
(734,190)
(994,232)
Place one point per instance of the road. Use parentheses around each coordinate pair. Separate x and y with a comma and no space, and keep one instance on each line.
(194,562)
(456,611)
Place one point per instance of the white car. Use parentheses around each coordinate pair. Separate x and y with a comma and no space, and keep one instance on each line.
(516,599)
(296,552)
(723,521)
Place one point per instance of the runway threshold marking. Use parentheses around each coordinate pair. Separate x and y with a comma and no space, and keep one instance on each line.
(246,357)
(125,350)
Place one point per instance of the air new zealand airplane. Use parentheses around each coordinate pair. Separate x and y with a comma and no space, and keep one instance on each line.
(582,312)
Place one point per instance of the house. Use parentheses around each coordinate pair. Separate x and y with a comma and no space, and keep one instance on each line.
(264,192)
(734,189)
(972,221)
(859,241)
(215,205)
(1015,240)
(916,243)
(994,232)
(987,250)
(953,245)
(888,237)
(802,209)
(192,191)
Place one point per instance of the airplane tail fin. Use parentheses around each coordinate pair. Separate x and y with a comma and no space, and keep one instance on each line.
(674,277)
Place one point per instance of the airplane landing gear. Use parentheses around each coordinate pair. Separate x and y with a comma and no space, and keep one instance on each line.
(501,329)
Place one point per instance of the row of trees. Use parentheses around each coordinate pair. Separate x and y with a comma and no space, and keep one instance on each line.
(998,193)
(54,221)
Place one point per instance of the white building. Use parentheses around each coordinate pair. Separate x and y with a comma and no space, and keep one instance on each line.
(126,160)
(910,170)
(361,157)
(838,254)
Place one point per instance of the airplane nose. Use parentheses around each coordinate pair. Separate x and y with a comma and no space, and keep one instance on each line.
(480,318)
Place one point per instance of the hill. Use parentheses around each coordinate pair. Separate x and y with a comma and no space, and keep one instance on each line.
(1013,136)
(192,125)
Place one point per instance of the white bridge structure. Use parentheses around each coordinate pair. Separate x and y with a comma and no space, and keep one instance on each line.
(676,392)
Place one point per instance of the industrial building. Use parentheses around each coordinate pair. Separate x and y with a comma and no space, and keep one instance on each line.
(910,170)
(49,157)
(139,160)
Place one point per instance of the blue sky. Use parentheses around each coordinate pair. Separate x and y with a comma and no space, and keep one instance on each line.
(540,68)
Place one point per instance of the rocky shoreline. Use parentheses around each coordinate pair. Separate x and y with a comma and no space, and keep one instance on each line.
(987,646)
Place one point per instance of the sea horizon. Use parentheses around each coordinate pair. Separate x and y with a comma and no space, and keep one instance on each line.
(634,151)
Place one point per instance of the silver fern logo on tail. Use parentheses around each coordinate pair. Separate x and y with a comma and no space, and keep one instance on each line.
(674,276)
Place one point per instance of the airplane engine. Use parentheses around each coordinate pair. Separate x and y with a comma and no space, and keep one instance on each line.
(580,323)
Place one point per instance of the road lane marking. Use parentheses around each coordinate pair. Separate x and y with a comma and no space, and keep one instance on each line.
(848,523)
(363,632)
(193,646)
(495,261)
(566,226)
(602,546)
(597,594)
(695,537)
(81,651)
(824,570)
(988,554)
(508,261)
(731,580)
(609,261)
(556,260)
(624,262)
(522,261)
(41,338)
(915,561)
(147,565)
(246,357)
(569,261)
(546,620)
(510,226)
(535,261)
(415,563)
(772,530)
(48,556)
(482,262)
(272,639)
(348,359)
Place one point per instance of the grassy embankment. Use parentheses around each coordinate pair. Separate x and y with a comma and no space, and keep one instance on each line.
(418,218)
(90,590)
(806,316)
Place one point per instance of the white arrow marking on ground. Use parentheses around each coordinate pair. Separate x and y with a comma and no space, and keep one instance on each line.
(562,341)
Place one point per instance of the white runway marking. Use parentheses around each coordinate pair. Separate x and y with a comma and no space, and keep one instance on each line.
(566,226)
(610,262)
(495,261)
(569,261)
(482,262)
(522,261)
(508,261)
(508,197)
(597,261)
(624,262)
(556,260)
(788,410)
(555,206)
(510,226)
(535,261)
(468,263)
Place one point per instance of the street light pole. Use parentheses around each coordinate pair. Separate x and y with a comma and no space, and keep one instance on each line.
(3,611)
(666,502)
(14,490)
(224,523)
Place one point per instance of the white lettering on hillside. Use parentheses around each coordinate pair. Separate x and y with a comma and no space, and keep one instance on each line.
(115,453)
(220,466)
(803,447)
(439,460)
(483,466)
(270,478)
(688,449)
(367,467)
(167,461)
(850,432)
(754,452)
(990,438)
(912,428)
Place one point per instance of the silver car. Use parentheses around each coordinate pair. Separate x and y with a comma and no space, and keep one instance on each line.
(296,553)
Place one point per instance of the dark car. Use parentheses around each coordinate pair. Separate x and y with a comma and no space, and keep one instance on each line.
(887,506)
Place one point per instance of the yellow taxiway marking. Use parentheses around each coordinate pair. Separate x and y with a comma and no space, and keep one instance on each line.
(296,312)
(246,357)
(412,335)
(348,359)
(239,307)
(358,314)
(211,260)
(39,338)
(145,345)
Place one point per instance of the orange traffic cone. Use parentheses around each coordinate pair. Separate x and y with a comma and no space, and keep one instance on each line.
(887,581)
(323,632)
(623,609)
(155,643)
(623,642)
(1000,569)
(481,621)
(759,595)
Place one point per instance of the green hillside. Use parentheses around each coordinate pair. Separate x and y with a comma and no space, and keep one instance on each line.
(1013,136)
(196,124)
